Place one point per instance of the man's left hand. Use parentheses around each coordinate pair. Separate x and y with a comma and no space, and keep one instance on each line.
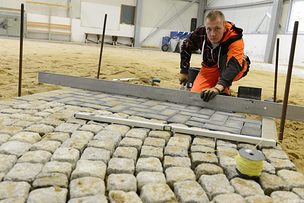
(209,94)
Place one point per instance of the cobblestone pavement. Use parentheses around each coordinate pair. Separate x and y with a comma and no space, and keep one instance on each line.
(46,155)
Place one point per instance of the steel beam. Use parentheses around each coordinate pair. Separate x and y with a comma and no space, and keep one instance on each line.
(138,17)
(276,14)
(182,10)
(221,103)
(244,5)
(201,12)
(186,130)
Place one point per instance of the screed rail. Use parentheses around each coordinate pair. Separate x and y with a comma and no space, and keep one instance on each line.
(221,103)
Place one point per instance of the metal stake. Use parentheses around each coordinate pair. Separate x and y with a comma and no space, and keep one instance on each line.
(101,46)
(288,79)
(276,71)
(21,50)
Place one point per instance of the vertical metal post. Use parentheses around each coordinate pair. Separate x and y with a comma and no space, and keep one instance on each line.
(21,50)
(276,71)
(288,79)
(101,46)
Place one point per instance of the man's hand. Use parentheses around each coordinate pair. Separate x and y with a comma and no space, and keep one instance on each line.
(209,94)
(183,77)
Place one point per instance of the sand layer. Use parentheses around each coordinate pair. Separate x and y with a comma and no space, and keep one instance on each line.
(124,62)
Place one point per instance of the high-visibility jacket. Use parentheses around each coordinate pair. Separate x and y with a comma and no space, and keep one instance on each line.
(220,65)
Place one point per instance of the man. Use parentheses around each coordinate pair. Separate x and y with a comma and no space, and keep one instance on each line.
(223,59)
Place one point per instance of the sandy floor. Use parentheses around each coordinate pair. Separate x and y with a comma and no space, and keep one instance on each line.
(118,62)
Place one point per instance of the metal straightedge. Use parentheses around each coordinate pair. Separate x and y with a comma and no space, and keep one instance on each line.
(261,141)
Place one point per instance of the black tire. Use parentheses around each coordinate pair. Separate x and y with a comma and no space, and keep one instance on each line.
(165,47)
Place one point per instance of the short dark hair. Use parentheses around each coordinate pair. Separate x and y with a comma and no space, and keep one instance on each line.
(214,14)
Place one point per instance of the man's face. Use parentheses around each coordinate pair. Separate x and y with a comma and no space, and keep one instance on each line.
(215,30)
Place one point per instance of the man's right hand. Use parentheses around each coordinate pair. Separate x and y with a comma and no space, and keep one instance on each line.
(183,77)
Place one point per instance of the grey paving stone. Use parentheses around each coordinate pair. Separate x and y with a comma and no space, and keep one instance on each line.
(198,158)
(234,123)
(226,151)
(299,192)
(215,185)
(149,164)
(176,151)
(139,133)
(51,179)
(157,193)
(87,168)
(126,152)
(123,129)
(47,145)
(202,119)
(279,164)
(205,141)
(255,132)
(23,124)
(28,137)
(168,112)
(176,174)
(227,198)
(293,179)
(246,187)
(252,125)
(55,194)
(23,172)
(259,199)
(4,138)
(42,129)
(267,167)
(219,117)
(270,183)
(14,148)
(96,154)
(219,127)
(149,151)
(179,118)
(124,182)
(201,149)
(66,154)
(190,191)
(56,136)
(147,177)
(75,143)
(245,145)
(86,186)
(195,124)
(108,134)
(107,144)
(35,157)
(99,198)
(154,142)
(207,169)
(160,134)
(284,196)
(57,167)
(76,121)
(206,111)
(67,127)
(121,165)
(116,196)
(274,153)
(131,142)
(82,135)
(179,141)
(92,128)
(170,161)
(9,189)
(7,162)
(10,130)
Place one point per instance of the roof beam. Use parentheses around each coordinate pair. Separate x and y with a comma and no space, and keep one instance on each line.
(244,5)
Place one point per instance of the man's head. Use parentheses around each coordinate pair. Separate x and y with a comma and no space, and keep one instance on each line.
(215,26)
